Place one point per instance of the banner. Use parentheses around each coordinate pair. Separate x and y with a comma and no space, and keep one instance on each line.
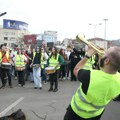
(30,39)
(13,24)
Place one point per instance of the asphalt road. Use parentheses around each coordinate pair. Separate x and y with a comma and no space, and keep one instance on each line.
(43,105)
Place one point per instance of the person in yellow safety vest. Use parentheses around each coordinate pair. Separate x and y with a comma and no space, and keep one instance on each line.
(55,60)
(97,87)
(90,62)
(37,57)
(44,58)
(5,66)
(20,63)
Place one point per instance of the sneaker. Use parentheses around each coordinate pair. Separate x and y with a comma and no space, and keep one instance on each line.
(32,81)
(11,86)
(55,90)
(23,86)
(19,85)
(45,83)
(2,87)
(60,79)
(6,78)
(51,89)
(68,78)
(15,78)
(40,88)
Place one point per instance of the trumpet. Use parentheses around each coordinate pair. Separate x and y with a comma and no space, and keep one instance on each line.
(81,38)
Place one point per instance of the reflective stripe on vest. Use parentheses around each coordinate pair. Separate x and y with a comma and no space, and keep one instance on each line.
(98,95)
(79,109)
(85,101)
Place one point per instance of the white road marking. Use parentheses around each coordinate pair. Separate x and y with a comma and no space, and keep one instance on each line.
(10,107)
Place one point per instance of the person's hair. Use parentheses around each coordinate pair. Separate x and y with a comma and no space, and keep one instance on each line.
(114,57)
(18,51)
(55,53)
(39,51)
(61,52)
(50,49)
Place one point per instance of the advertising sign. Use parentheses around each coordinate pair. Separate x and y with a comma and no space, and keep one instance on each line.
(13,24)
(49,38)
(30,39)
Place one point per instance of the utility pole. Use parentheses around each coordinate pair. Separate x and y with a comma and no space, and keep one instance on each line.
(95,26)
(105,28)
(105,20)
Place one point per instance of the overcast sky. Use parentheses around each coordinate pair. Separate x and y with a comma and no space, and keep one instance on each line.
(68,17)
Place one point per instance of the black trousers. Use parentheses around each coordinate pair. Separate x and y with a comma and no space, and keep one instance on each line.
(54,79)
(73,78)
(71,115)
(4,73)
(62,71)
(21,79)
(0,72)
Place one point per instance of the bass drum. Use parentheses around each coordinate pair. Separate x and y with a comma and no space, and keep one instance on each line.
(50,70)
(5,65)
(20,68)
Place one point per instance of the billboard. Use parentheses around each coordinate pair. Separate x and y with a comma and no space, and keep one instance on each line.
(49,38)
(30,39)
(14,24)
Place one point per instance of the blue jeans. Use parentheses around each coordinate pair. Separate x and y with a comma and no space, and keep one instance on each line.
(37,77)
(44,75)
(31,76)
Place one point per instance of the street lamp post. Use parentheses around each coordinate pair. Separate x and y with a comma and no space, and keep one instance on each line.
(95,26)
(105,28)
(1,14)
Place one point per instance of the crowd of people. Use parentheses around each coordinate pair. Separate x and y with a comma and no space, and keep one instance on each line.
(31,64)
(98,75)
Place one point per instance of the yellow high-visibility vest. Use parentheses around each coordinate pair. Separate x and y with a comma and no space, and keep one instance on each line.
(102,89)
(20,61)
(54,62)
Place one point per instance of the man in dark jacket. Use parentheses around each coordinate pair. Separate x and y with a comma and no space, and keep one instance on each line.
(74,57)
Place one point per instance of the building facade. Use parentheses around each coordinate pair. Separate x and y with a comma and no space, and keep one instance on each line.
(99,42)
(12,32)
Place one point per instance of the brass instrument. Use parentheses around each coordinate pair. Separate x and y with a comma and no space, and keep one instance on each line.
(81,38)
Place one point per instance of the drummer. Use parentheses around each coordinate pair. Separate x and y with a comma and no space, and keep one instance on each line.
(5,59)
(20,60)
(55,60)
